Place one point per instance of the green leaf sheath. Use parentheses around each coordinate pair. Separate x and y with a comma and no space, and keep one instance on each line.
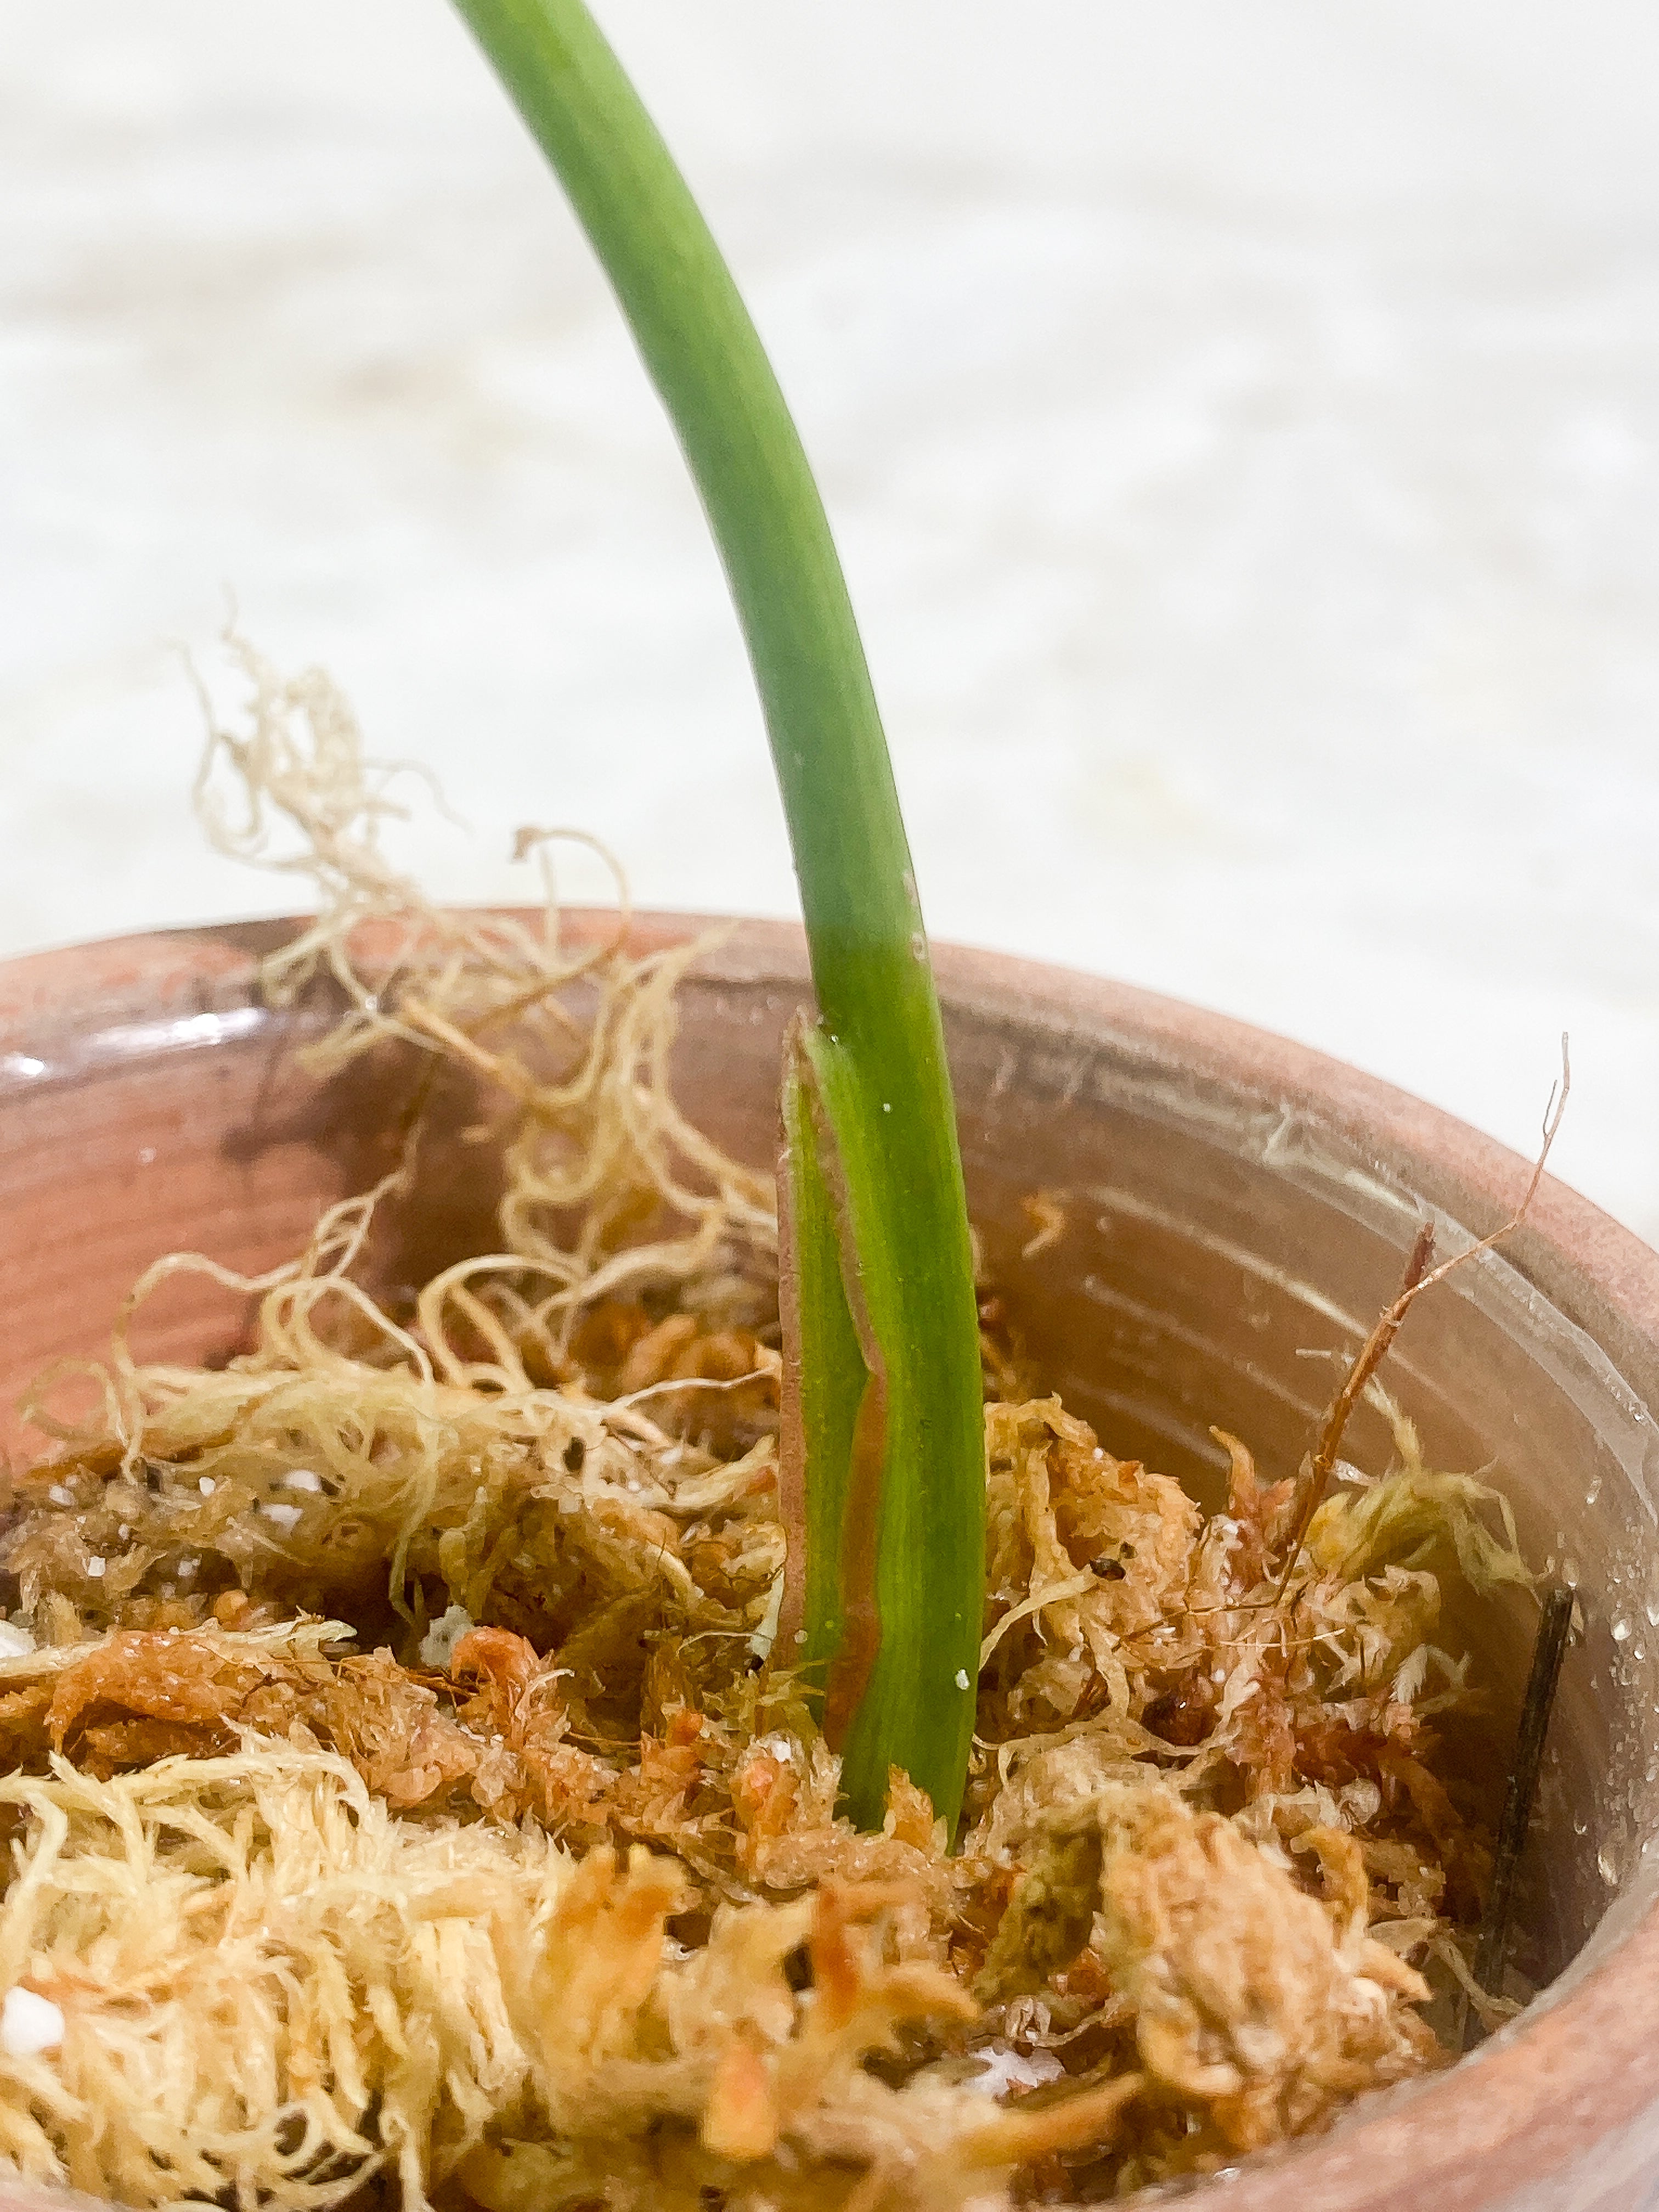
(829,1382)
(927,1577)
(878,1055)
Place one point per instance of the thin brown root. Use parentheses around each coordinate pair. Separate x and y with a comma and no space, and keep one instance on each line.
(1314,1477)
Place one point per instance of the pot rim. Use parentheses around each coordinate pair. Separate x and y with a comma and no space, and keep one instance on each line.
(1572,2073)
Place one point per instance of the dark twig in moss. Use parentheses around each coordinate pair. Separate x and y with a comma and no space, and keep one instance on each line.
(1547,1653)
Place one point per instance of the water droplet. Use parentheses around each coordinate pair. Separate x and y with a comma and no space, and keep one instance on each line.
(1621,1629)
(918,946)
(1570,1570)
(1594,1492)
(1607,1865)
(1651,1609)
(1580,1826)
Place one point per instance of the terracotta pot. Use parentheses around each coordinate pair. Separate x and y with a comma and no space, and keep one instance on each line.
(1234,1204)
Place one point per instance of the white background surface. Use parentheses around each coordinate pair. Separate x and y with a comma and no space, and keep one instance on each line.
(1240,417)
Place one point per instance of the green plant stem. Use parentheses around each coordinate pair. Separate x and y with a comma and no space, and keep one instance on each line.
(879,1057)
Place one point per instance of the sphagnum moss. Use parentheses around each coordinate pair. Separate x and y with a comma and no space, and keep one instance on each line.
(520,1880)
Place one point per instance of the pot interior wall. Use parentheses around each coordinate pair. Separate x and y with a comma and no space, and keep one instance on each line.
(1219,1256)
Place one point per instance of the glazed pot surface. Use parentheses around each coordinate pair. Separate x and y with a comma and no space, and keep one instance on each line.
(1236,1211)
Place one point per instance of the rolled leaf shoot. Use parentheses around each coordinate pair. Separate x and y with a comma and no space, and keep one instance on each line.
(884,1167)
